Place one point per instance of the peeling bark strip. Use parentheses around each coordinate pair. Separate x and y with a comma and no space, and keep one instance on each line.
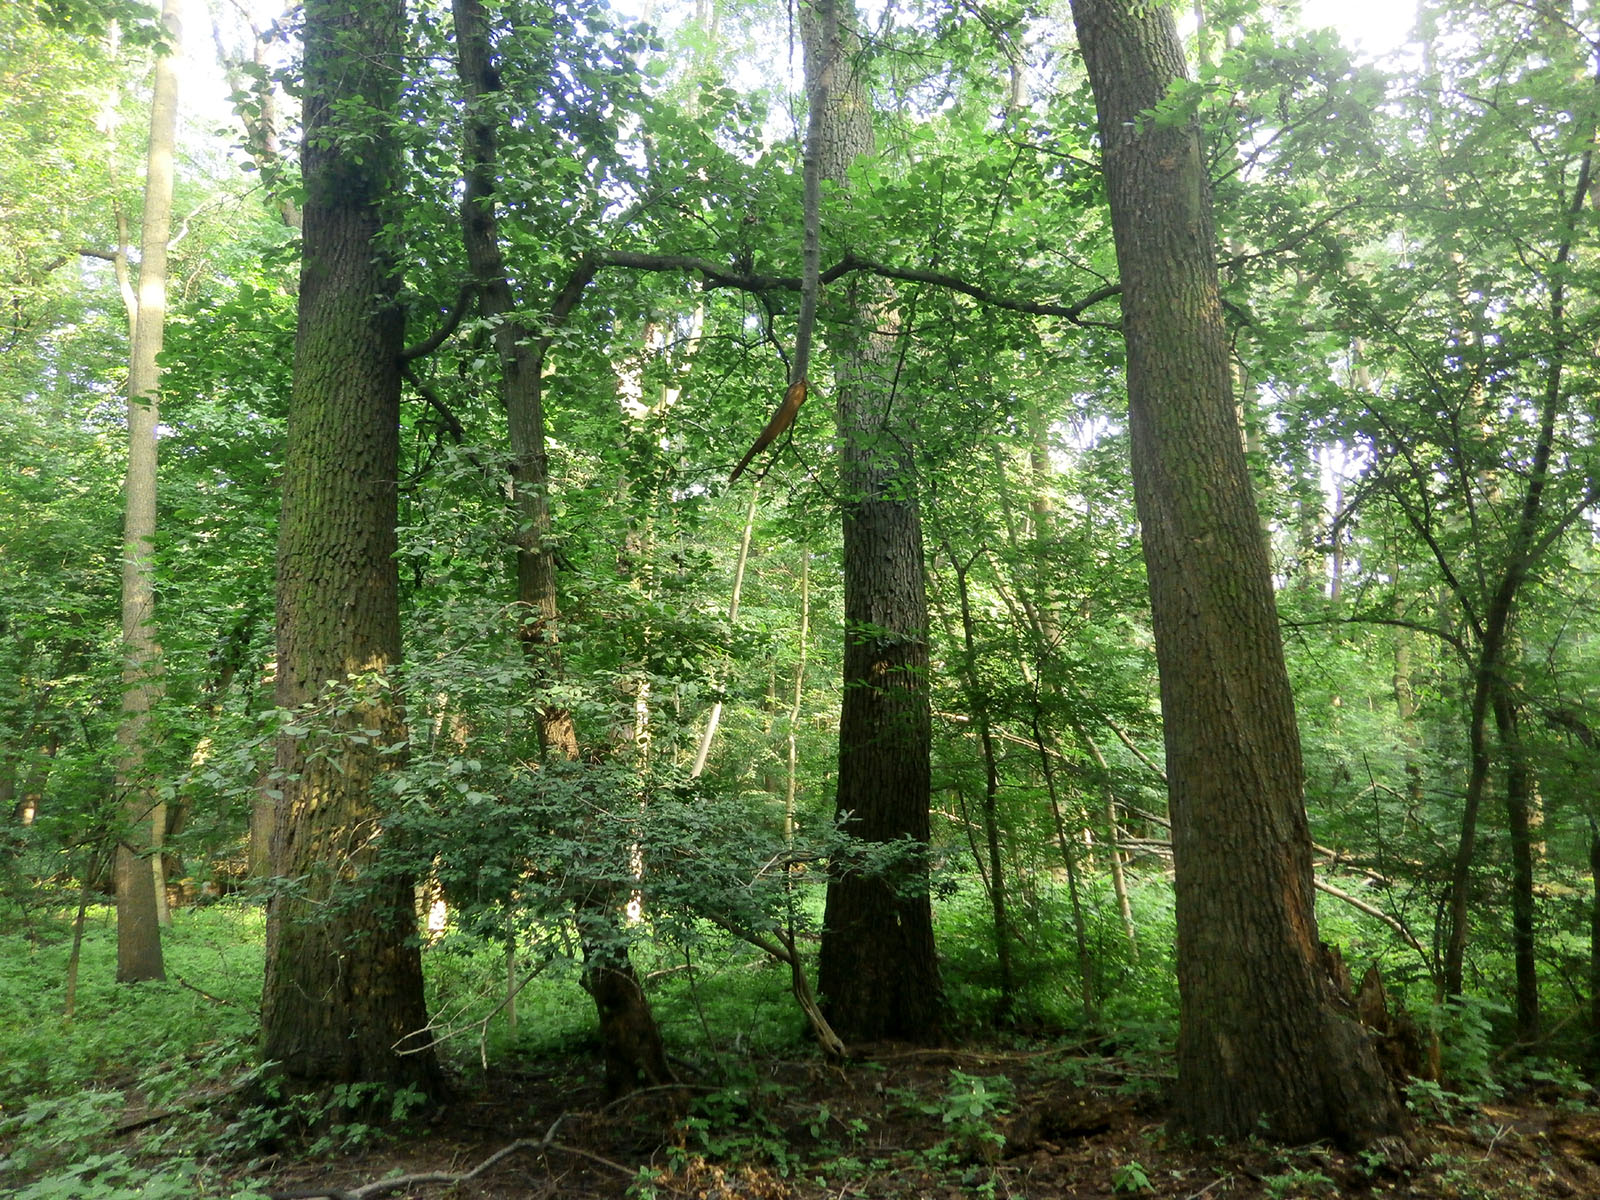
(1260,1037)
(343,976)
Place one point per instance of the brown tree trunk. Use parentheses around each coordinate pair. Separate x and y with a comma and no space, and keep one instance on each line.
(140,898)
(995,877)
(343,982)
(1259,1036)
(878,971)
(1519,822)
(1594,946)
(630,1039)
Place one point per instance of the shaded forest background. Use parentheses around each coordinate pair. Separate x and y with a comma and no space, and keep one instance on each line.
(591,717)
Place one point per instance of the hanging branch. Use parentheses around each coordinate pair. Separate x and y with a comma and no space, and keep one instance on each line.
(810,280)
(781,420)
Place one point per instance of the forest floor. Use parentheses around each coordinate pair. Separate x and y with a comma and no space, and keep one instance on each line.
(907,1123)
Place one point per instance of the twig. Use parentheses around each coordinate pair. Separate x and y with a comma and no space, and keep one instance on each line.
(465,298)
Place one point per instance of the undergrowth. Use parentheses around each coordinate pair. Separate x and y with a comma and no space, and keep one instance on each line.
(156,1089)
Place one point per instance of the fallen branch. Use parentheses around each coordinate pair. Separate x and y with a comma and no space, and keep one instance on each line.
(395,1183)
(182,982)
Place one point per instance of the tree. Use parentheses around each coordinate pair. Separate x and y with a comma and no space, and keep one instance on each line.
(1490,461)
(878,971)
(632,1043)
(140,881)
(1461,426)
(1259,1035)
(343,983)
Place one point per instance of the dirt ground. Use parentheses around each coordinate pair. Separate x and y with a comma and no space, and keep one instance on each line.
(917,1123)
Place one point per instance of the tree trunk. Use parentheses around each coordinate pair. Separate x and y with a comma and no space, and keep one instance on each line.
(1069,861)
(995,877)
(1259,1036)
(1594,946)
(878,971)
(1460,894)
(1519,806)
(630,1039)
(138,860)
(1528,542)
(343,982)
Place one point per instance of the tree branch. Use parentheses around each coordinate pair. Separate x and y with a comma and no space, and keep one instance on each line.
(718,275)
(464,301)
(1448,638)
(451,422)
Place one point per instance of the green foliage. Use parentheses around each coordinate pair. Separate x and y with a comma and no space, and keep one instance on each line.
(1392,249)
(1466,1030)
(1130,1177)
(970,1111)
(1295,1184)
(343,1119)
(68,1083)
(735,1124)
(43,1052)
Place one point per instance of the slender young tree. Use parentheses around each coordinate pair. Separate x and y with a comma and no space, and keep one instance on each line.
(138,874)
(343,978)
(631,1041)
(878,970)
(1260,1038)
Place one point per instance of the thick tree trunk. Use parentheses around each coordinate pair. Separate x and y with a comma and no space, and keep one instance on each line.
(1260,1038)
(878,971)
(630,1039)
(140,902)
(343,982)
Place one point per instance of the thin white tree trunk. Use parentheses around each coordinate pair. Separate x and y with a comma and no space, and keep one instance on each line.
(140,887)
(714,718)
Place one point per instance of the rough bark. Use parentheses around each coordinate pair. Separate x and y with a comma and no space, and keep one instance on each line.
(343,985)
(138,859)
(630,1039)
(878,971)
(1260,1038)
